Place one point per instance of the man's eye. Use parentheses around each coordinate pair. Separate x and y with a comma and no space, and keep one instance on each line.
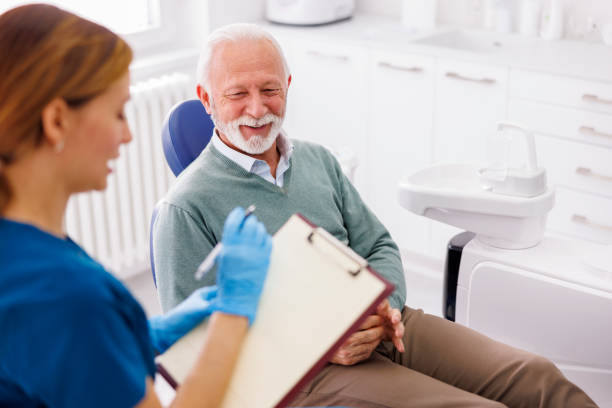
(271,91)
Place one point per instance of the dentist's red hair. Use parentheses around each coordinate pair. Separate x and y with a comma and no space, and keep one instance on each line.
(48,53)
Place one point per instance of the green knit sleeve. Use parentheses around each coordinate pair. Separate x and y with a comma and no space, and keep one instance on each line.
(370,239)
(180,243)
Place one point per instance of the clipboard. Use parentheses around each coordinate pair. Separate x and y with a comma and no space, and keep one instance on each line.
(317,293)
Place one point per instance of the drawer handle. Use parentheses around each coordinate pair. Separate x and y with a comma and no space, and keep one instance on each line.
(329,56)
(591,131)
(596,99)
(585,171)
(389,65)
(581,219)
(454,75)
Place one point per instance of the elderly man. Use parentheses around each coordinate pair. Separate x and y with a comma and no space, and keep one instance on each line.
(396,359)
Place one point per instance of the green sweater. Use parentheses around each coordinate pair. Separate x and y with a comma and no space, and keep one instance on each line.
(190,219)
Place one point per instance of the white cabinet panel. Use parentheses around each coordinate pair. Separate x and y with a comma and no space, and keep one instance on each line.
(579,125)
(579,93)
(327,101)
(400,128)
(470,99)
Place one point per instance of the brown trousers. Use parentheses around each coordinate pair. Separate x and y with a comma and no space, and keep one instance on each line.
(445,365)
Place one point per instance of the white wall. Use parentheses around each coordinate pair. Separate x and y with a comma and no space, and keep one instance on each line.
(223,12)
(390,8)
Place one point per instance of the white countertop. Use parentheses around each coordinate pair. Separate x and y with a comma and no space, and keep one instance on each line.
(564,57)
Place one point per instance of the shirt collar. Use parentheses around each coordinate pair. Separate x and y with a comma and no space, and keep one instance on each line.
(284,145)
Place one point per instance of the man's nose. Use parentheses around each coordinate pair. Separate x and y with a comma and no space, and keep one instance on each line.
(256,107)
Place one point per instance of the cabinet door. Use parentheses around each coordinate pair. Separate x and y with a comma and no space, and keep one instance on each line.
(399,141)
(470,99)
(327,101)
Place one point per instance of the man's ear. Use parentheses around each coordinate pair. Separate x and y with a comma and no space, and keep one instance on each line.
(55,122)
(204,97)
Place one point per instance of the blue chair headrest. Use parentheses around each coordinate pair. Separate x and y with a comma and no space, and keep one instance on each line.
(185,133)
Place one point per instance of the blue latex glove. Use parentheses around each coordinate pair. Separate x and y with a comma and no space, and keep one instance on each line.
(241,271)
(242,265)
(166,329)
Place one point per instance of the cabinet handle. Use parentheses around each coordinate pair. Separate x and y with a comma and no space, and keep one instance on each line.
(591,131)
(330,56)
(454,75)
(389,65)
(585,171)
(581,219)
(595,98)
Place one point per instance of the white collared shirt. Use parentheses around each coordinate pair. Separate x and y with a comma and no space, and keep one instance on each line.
(255,166)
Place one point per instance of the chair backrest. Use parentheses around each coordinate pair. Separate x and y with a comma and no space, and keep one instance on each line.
(186,132)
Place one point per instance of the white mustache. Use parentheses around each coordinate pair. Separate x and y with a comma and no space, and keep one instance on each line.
(252,122)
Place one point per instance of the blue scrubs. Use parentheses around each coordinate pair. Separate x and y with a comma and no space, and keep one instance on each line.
(71,335)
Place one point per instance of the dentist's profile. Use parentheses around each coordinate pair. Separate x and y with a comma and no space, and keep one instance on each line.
(71,335)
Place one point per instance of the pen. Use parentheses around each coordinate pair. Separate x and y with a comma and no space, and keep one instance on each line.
(209,261)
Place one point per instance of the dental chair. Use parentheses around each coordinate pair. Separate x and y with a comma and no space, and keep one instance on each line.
(186,132)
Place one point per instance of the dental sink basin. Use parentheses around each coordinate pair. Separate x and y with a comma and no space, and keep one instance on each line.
(474,41)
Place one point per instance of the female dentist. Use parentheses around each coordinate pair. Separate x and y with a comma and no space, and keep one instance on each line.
(70,334)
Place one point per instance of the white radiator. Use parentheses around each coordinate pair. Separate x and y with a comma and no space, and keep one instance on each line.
(113,226)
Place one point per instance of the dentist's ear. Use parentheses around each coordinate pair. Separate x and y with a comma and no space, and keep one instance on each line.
(56,119)
(204,97)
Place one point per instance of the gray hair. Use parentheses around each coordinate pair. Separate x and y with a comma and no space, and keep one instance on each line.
(234,33)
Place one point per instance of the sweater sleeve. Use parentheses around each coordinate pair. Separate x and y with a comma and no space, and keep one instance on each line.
(180,244)
(370,239)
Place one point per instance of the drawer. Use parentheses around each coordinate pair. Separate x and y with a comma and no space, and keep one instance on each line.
(582,215)
(579,93)
(576,165)
(576,124)
(402,63)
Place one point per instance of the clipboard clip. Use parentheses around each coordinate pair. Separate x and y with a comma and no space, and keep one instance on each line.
(348,252)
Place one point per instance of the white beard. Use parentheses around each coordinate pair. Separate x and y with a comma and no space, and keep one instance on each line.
(255,144)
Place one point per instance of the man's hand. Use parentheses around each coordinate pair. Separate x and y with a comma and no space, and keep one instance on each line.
(394,328)
(386,325)
(360,345)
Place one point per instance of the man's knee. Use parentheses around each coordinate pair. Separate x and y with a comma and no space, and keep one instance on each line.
(539,367)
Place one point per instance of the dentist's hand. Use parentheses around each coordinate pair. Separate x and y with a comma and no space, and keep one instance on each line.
(242,268)
(242,265)
(166,329)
